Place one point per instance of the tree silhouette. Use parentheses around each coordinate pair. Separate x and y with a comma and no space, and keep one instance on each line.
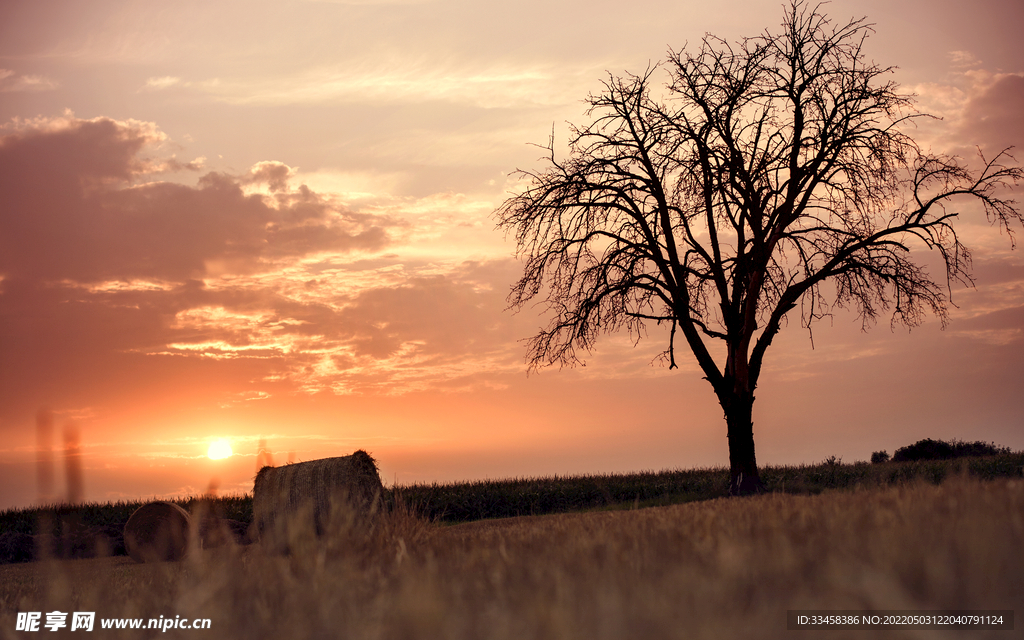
(764,175)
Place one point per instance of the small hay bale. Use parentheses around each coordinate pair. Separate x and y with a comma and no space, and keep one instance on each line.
(279,492)
(157,532)
(16,547)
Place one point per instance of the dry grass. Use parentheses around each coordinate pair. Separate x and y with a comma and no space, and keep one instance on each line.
(716,569)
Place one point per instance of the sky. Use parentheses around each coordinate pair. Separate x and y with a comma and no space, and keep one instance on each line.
(272,222)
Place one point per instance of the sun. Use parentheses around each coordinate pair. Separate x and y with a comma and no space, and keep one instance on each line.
(219,449)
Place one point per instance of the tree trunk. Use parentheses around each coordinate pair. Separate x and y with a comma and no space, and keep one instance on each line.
(744,478)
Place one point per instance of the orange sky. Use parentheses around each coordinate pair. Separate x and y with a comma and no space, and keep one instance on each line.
(272,221)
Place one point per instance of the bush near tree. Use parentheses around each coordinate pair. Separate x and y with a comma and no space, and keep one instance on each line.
(929,449)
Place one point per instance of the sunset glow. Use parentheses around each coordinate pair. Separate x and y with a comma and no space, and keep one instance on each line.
(219,449)
(273,222)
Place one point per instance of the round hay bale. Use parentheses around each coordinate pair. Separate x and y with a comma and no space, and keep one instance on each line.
(16,547)
(282,491)
(157,532)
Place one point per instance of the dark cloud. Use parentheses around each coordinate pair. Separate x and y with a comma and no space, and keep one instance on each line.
(1009,319)
(990,271)
(274,174)
(74,209)
(994,119)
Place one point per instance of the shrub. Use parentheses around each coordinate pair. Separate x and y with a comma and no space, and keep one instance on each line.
(929,449)
(879,457)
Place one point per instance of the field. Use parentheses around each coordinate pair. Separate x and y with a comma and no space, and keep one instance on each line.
(718,568)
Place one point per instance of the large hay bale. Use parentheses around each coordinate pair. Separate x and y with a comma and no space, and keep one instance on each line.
(349,481)
(157,532)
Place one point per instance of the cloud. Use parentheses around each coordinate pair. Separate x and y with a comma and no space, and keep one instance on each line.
(162,82)
(77,209)
(358,327)
(978,107)
(963,60)
(12,82)
(994,117)
(498,85)
(274,174)
(247,285)
(104,268)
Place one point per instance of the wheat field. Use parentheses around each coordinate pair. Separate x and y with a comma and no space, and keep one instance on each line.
(726,568)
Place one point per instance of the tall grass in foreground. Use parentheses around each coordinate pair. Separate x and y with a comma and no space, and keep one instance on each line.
(724,568)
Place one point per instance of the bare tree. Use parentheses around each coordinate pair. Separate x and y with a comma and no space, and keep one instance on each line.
(764,175)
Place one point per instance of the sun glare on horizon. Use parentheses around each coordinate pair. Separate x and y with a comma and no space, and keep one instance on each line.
(219,449)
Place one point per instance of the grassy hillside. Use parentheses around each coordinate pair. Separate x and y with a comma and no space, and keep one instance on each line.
(719,568)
